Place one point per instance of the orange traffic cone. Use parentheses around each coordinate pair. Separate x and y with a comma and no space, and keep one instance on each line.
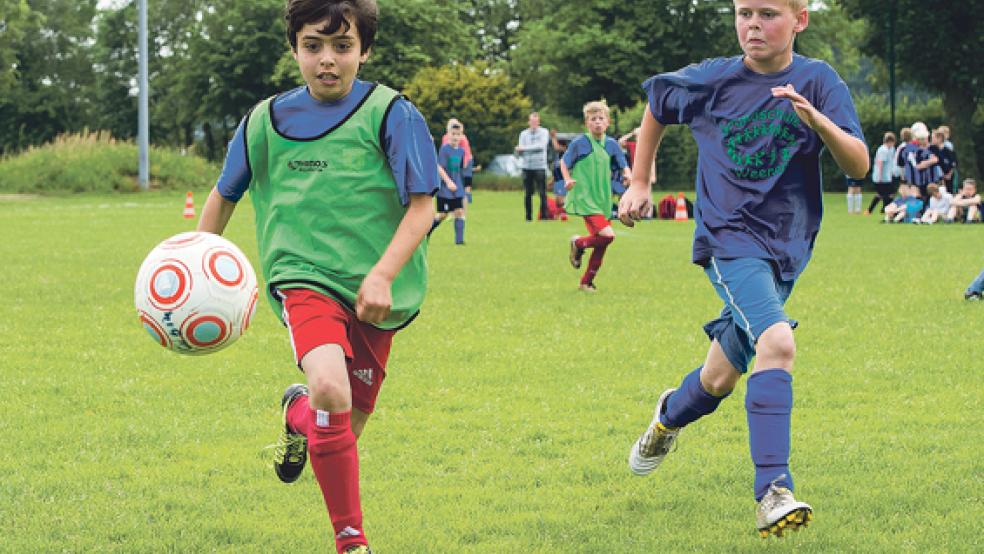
(681,208)
(189,211)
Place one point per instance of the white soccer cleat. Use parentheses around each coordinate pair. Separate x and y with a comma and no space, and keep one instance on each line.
(778,511)
(650,449)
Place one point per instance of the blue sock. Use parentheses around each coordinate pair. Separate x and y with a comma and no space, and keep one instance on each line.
(459,231)
(689,402)
(769,403)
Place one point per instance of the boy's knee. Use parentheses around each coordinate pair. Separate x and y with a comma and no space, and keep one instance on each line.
(328,393)
(720,383)
(777,346)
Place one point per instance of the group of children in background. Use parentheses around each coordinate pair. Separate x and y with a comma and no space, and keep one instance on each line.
(915,180)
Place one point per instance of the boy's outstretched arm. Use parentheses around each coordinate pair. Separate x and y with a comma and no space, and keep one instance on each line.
(636,201)
(447,180)
(215,213)
(375,297)
(849,152)
(565,172)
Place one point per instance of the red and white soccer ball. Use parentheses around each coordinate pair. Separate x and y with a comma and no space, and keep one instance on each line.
(195,293)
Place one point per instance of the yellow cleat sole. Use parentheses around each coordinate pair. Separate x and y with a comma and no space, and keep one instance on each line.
(790,522)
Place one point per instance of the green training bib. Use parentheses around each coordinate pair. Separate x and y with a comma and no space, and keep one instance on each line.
(592,194)
(327,208)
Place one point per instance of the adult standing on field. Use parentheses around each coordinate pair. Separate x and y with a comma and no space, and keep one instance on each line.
(532,150)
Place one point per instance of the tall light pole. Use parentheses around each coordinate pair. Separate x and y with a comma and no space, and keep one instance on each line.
(891,60)
(143,124)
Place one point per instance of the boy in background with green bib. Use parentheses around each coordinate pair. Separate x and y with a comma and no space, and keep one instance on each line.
(587,169)
(341,173)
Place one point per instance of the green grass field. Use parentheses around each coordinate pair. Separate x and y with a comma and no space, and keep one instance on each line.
(510,404)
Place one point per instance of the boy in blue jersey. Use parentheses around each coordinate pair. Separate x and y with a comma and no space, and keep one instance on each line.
(557,178)
(587,171)
(912,207)
(760,120)
(451,195)
(340,173)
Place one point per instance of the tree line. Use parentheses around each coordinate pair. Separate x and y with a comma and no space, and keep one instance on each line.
(69,65)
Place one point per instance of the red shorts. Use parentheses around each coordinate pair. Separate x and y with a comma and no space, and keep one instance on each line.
(595,223)
(314,319)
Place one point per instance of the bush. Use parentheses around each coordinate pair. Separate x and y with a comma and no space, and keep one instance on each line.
(490,105)
(96,162)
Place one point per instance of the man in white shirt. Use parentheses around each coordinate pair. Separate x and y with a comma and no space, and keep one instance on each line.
(532,150)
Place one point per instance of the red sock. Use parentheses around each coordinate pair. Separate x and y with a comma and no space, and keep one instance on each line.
(594,263)
(299,415)
(335,462)
(590,241)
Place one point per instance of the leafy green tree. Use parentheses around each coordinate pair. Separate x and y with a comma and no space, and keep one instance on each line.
(414,34)
(496,23)
(16,20)
(833,36)
(585,50)
(490,105)
(940,47)
(51,56)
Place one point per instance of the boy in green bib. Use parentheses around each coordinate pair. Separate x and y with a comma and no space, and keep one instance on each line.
(340,173)
(587,169)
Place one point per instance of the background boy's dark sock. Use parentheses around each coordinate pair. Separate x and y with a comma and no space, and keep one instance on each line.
(689,402)
(769,405)
(434,226)
(459,230)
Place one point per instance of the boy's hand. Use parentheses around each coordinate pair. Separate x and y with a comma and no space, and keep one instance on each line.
(569,184)
(806,112)
(374,300)
(452,187)
(634,205)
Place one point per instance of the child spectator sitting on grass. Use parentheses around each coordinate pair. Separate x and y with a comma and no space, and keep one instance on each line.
(939,205)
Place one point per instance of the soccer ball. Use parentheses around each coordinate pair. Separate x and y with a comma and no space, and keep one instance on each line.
(195,293)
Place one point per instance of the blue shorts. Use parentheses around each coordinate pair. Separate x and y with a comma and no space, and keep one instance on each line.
(753,297)
(559,189)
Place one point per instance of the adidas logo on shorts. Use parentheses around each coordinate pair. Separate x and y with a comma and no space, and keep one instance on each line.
(364,375)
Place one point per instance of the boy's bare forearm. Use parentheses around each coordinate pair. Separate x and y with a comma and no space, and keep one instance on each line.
(566,173)
(648,140)
(216,213)
(411,231)
(850,153)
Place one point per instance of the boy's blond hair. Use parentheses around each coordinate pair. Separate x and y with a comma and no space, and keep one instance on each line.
(595,107)
(797,5)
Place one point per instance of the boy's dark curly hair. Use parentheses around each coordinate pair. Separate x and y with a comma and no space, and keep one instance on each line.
(364,13)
